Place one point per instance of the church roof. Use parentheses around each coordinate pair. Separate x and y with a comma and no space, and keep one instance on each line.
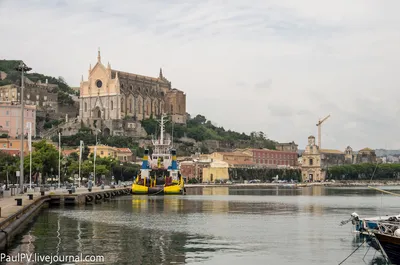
(366,149)
(330,151)
(136,76)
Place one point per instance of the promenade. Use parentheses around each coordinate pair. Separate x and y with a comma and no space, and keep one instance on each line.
(9,207)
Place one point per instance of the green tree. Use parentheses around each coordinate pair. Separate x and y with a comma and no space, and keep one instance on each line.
(44,158)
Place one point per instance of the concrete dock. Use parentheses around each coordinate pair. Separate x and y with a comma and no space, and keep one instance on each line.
(17,211)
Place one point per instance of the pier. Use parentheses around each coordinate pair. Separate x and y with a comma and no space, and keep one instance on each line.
(17,211)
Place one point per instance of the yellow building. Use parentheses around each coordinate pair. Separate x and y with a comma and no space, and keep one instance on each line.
(7,144)
(218,170)
(315,161)
(124,154)
(104,151)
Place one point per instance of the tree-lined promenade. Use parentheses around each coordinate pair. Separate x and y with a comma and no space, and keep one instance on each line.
(45,160)
(364,172)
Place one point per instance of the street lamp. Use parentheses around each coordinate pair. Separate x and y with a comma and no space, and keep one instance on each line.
(59,159)
(7,176)
(38,175)
(22,68)
(122,169)
(64,162)
(94,158)
(51,175)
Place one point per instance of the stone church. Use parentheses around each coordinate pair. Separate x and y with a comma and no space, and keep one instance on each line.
(316,161)
(115,102)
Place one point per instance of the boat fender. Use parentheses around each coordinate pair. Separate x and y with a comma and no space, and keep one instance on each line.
(89,198)
(107,195)
(113,193)
(397,232)
(98,197)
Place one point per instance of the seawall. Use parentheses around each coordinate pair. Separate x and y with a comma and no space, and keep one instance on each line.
(14,217)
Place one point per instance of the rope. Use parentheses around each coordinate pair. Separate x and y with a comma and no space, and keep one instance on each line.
(385,191)
(158,192)
(352,252)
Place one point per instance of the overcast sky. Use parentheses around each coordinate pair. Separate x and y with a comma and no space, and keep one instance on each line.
(274,66)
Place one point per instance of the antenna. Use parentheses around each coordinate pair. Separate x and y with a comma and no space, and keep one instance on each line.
(172,135)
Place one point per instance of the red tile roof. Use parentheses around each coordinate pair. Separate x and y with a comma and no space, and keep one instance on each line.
(10,151)
(124,150)
(241,162)
(68,152)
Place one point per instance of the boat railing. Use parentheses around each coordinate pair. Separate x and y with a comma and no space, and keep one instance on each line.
(388,227)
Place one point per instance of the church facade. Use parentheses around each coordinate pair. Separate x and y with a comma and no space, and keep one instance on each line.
(115,102)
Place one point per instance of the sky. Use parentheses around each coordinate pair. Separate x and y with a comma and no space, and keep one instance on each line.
(275,66)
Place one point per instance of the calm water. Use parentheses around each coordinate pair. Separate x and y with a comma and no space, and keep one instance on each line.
(214,226)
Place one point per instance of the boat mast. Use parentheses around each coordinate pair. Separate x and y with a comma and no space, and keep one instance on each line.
(162,130)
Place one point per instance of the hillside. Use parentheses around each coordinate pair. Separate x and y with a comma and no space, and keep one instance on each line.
(14,77)
(201,129)
(188,139)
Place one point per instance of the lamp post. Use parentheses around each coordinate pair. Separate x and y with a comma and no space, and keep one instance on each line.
(22,68)
(51,174)
(122,175)
(64,162)
(30,154)
(7,176)
(38,176)
(94,158)
(59,159)
(81,147)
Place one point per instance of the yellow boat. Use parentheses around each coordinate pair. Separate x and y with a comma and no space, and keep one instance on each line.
(160,173)
(175,188)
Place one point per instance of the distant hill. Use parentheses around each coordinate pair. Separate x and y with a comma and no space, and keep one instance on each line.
(384,152)
(379,152)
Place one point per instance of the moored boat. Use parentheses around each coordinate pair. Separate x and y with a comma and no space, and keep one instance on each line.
(159,174)
(367,224)
(388,237)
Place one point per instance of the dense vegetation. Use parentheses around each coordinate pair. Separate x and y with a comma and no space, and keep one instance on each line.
(14,77)
(197,128)
(89,138)
(364,172)
(264,174)
(200,129)
(45,160)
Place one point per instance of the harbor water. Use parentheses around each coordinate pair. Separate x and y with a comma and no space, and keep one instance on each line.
(214,225)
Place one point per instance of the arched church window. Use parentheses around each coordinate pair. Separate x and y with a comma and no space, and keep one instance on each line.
(172,109)
(99,114)
(112,105)
(140,107)
(130,106)
(122,85)
(148,109)
(122,104)
(85,106)
(131,87)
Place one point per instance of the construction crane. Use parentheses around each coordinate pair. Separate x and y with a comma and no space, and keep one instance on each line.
(319,130)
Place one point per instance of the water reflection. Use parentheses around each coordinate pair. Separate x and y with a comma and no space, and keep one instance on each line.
(223,225)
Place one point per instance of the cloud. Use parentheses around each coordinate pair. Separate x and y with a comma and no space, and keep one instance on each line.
(263,86)
(339,58)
